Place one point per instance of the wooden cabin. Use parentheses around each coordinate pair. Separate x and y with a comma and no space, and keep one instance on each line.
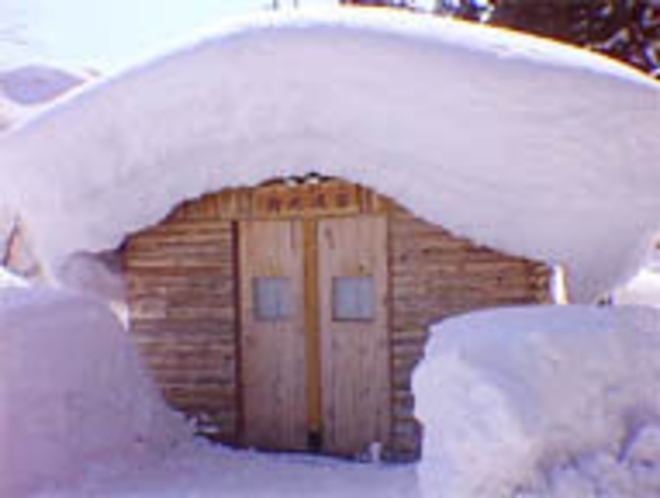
(290,316)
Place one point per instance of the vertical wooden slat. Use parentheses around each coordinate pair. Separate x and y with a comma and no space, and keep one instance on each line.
(311,307)
(238,366)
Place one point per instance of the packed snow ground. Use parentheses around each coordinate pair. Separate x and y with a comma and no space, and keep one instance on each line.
(521,144)
(202,471)
(631,470)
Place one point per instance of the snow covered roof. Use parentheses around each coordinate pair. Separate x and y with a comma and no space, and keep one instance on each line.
(525,145)
(27,90)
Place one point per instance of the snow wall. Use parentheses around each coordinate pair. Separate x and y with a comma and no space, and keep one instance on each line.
(545,402)
(524,145)
(72,392)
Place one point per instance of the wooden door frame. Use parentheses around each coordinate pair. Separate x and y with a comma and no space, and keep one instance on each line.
(279,202)
(312,334)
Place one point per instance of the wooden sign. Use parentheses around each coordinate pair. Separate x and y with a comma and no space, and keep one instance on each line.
(286,200)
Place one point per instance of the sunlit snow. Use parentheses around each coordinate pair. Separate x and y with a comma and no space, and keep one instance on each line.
(527,146)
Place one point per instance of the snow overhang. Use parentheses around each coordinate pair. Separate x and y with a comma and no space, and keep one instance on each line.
(524,145)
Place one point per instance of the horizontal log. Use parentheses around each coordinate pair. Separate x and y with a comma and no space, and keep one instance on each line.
(173,304)
(185,235)
(179,377)
(176,263)
(428,294)
(190,362)
(192,258)
(219,294)
(180,227)
(202,243)
(217,270)
(165,287)
(215,394)
(459,268)
(186,346)
(412,335)
(194,330)
(195,404)
(160,311)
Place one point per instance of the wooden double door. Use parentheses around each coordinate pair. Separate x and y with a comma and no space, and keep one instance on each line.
(314,367)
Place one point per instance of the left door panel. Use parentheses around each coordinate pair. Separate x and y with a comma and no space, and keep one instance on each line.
(273,336)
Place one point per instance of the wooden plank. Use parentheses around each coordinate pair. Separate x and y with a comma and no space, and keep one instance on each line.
(239,400)
(355,367)
(312,332)
(208,334)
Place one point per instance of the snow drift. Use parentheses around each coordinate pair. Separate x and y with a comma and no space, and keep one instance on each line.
(72,392)
(24,92)
(643,289)
(542,402)
(9,279)
(527,146)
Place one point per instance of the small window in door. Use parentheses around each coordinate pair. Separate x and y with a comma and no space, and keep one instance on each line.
(271,298)
(353,298)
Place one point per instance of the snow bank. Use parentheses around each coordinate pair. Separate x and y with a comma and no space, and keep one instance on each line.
(528,146)
(643,289)
(24,92)
(542,402)
(72,392)
(630,470)
(8,279)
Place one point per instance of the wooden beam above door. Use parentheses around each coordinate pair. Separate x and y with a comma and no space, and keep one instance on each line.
(281,200)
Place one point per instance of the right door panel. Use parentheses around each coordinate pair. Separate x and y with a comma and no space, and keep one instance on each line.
(355,373)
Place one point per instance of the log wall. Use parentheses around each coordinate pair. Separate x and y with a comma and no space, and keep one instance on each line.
(434,275)
(180,278)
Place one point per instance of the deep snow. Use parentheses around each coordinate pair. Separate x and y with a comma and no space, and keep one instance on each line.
(525,145)
(202,471)
(72,392)
(552,402)
(25,91)
(643,289)
(9,279)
